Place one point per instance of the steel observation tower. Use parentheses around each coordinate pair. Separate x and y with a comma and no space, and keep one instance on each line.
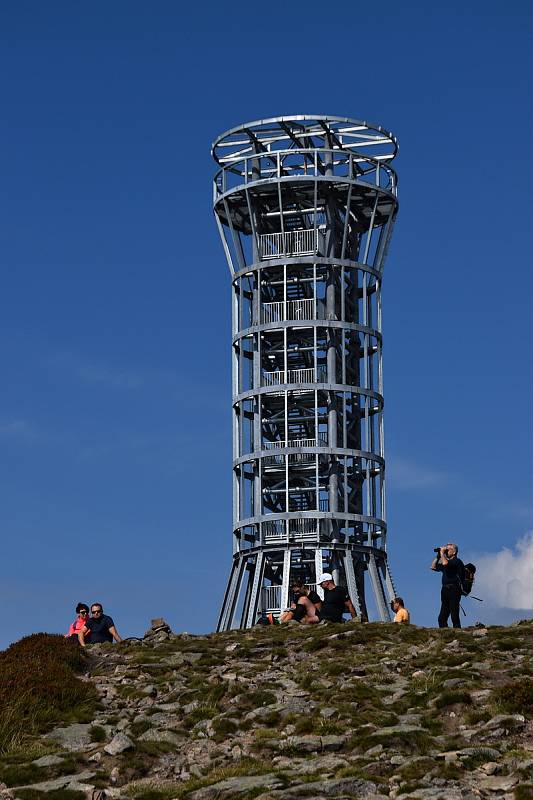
(305,207)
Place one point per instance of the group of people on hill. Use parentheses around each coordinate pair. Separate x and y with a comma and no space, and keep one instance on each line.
(308,608)
(94,629)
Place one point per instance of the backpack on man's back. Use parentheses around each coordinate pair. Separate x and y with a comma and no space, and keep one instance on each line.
(468,579)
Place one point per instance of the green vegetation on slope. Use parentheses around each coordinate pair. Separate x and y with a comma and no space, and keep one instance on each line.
(39,687)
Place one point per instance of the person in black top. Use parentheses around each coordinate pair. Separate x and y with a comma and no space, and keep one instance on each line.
(302,607)
(453,571)
(100,626)
(336,600)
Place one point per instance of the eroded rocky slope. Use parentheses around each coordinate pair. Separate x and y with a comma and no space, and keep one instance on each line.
(351,711)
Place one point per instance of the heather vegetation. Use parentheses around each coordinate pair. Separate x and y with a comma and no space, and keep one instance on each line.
(39,687)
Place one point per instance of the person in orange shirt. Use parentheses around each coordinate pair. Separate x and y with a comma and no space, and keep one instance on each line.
(400,612)
(82,610)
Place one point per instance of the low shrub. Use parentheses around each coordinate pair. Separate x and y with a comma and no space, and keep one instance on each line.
(39,687)
(451,698)
(97,733)
(55,794)
(515,697)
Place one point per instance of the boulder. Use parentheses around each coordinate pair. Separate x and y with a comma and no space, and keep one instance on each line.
(118,744)
(233,787)
(72,737)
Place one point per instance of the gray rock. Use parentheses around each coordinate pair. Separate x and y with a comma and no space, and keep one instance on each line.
(329,788)
(400,729)
(505,721)
(72,737)
(162,736)
(118,744)
(328,712)
(48,761)
(451,682)
(191,658)
(305,744)
(60,783)
(333,743)
(233,787)
(374,751)
(490,768)
(499,784)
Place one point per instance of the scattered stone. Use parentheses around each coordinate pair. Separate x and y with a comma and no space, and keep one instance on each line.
(233,787)
(65,781)
(118,744)
(480,632)
(506,721)
(499,784)
(48,761)
(491,767)
(72,737)
(162,736)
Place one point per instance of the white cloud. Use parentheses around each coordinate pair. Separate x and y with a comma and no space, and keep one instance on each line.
(403,474)
(505,578)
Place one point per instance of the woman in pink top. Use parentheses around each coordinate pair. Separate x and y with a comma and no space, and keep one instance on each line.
(82,610)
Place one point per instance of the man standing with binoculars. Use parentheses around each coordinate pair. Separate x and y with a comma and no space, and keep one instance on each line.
(453,571)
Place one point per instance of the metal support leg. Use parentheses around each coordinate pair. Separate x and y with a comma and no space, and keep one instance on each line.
(257,582)
(285,580)
(318,572)
(230,599)
(351,582)
(377,585)
(389,582)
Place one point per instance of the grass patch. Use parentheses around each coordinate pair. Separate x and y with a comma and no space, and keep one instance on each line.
(507,645)
(524,792)
(453,698)
(55,794)
(415,770)
(140,727)
(39,687)
(97,733)
(19,774)
(515,697)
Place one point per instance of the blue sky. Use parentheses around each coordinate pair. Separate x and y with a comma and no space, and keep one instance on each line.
(116,381)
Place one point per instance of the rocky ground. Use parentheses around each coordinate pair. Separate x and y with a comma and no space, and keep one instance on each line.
(336,711)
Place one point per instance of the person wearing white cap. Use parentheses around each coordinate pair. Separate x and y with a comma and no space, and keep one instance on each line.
(336,600)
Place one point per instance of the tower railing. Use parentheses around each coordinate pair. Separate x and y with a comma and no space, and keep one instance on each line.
(302,242)
(306,163)
(306,375)
(280,311)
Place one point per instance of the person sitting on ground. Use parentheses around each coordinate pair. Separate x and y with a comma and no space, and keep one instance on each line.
(100,627)
(336,600)
(302,609)
(82,610)
(401,614)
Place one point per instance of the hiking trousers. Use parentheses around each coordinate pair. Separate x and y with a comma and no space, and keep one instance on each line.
(450,598)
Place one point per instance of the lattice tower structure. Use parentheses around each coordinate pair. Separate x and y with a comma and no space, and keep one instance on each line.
(305,207)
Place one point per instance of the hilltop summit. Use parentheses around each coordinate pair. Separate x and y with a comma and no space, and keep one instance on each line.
(336,711)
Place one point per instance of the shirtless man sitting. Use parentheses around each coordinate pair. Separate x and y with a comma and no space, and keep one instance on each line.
(302,609)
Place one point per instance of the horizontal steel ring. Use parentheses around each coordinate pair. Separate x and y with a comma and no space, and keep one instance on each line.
(328,387)
(341,451)
(308,323)
(313,259)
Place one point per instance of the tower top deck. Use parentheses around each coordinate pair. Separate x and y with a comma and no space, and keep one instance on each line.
(304,131)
